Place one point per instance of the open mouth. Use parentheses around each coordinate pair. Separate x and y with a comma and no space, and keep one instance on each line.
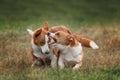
(53,41)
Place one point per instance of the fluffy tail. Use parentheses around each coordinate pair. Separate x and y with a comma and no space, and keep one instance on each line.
(86,42)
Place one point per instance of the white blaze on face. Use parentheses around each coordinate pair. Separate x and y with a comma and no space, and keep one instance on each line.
(45,47)
(52,34)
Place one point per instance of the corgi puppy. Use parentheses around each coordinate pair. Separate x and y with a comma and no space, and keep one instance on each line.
(85,42)
(70,49)
(40,49)
(39,46)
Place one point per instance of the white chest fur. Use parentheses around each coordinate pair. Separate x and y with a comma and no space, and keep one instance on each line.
(70,53)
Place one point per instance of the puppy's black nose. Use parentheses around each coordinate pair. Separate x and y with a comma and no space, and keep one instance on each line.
(48,34)
(46,52)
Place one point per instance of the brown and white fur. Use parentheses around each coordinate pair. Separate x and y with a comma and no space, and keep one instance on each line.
(40,48)
(70,49)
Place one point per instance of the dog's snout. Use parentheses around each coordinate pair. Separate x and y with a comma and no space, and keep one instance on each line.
(46,52)
(48,34)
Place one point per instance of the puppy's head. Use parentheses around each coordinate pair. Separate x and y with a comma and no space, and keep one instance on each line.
(62,38)
(40,38)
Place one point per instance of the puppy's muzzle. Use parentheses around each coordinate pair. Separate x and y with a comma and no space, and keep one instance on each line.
(49,34)
(46,52)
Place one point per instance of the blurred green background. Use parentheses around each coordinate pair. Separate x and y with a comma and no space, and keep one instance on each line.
(98,20)
(22,14)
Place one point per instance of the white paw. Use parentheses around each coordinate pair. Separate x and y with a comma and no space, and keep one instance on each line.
(61,65)
(53,65)
(93,45)
(53,61)
(33,65)
(77,66)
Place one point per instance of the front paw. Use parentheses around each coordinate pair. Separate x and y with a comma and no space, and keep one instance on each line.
(61,65)
(76,67)
(33,65)
(53,65)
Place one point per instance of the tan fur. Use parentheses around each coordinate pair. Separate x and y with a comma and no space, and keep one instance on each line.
(66,39)
(56,52)
(59,28)
(39,38)
(42,31)
(84,41)
(72,41)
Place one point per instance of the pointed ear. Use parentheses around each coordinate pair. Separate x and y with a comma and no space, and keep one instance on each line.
(46,27)
(37,33)
(30,31)
(70,38)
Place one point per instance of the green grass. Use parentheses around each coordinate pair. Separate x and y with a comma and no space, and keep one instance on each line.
(101,64)
(22,14)
(65,74)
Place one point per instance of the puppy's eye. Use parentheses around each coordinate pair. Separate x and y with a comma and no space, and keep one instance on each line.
(57,34)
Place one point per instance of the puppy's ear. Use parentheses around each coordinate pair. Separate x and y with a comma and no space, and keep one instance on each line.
(70,38)
(37,33)
(46,27)
(30,31)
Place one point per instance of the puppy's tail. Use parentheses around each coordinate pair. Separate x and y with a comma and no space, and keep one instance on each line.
(93,45)
(86,42)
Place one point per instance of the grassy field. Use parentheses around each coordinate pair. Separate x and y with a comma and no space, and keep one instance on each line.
(101,64)
(98,20)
